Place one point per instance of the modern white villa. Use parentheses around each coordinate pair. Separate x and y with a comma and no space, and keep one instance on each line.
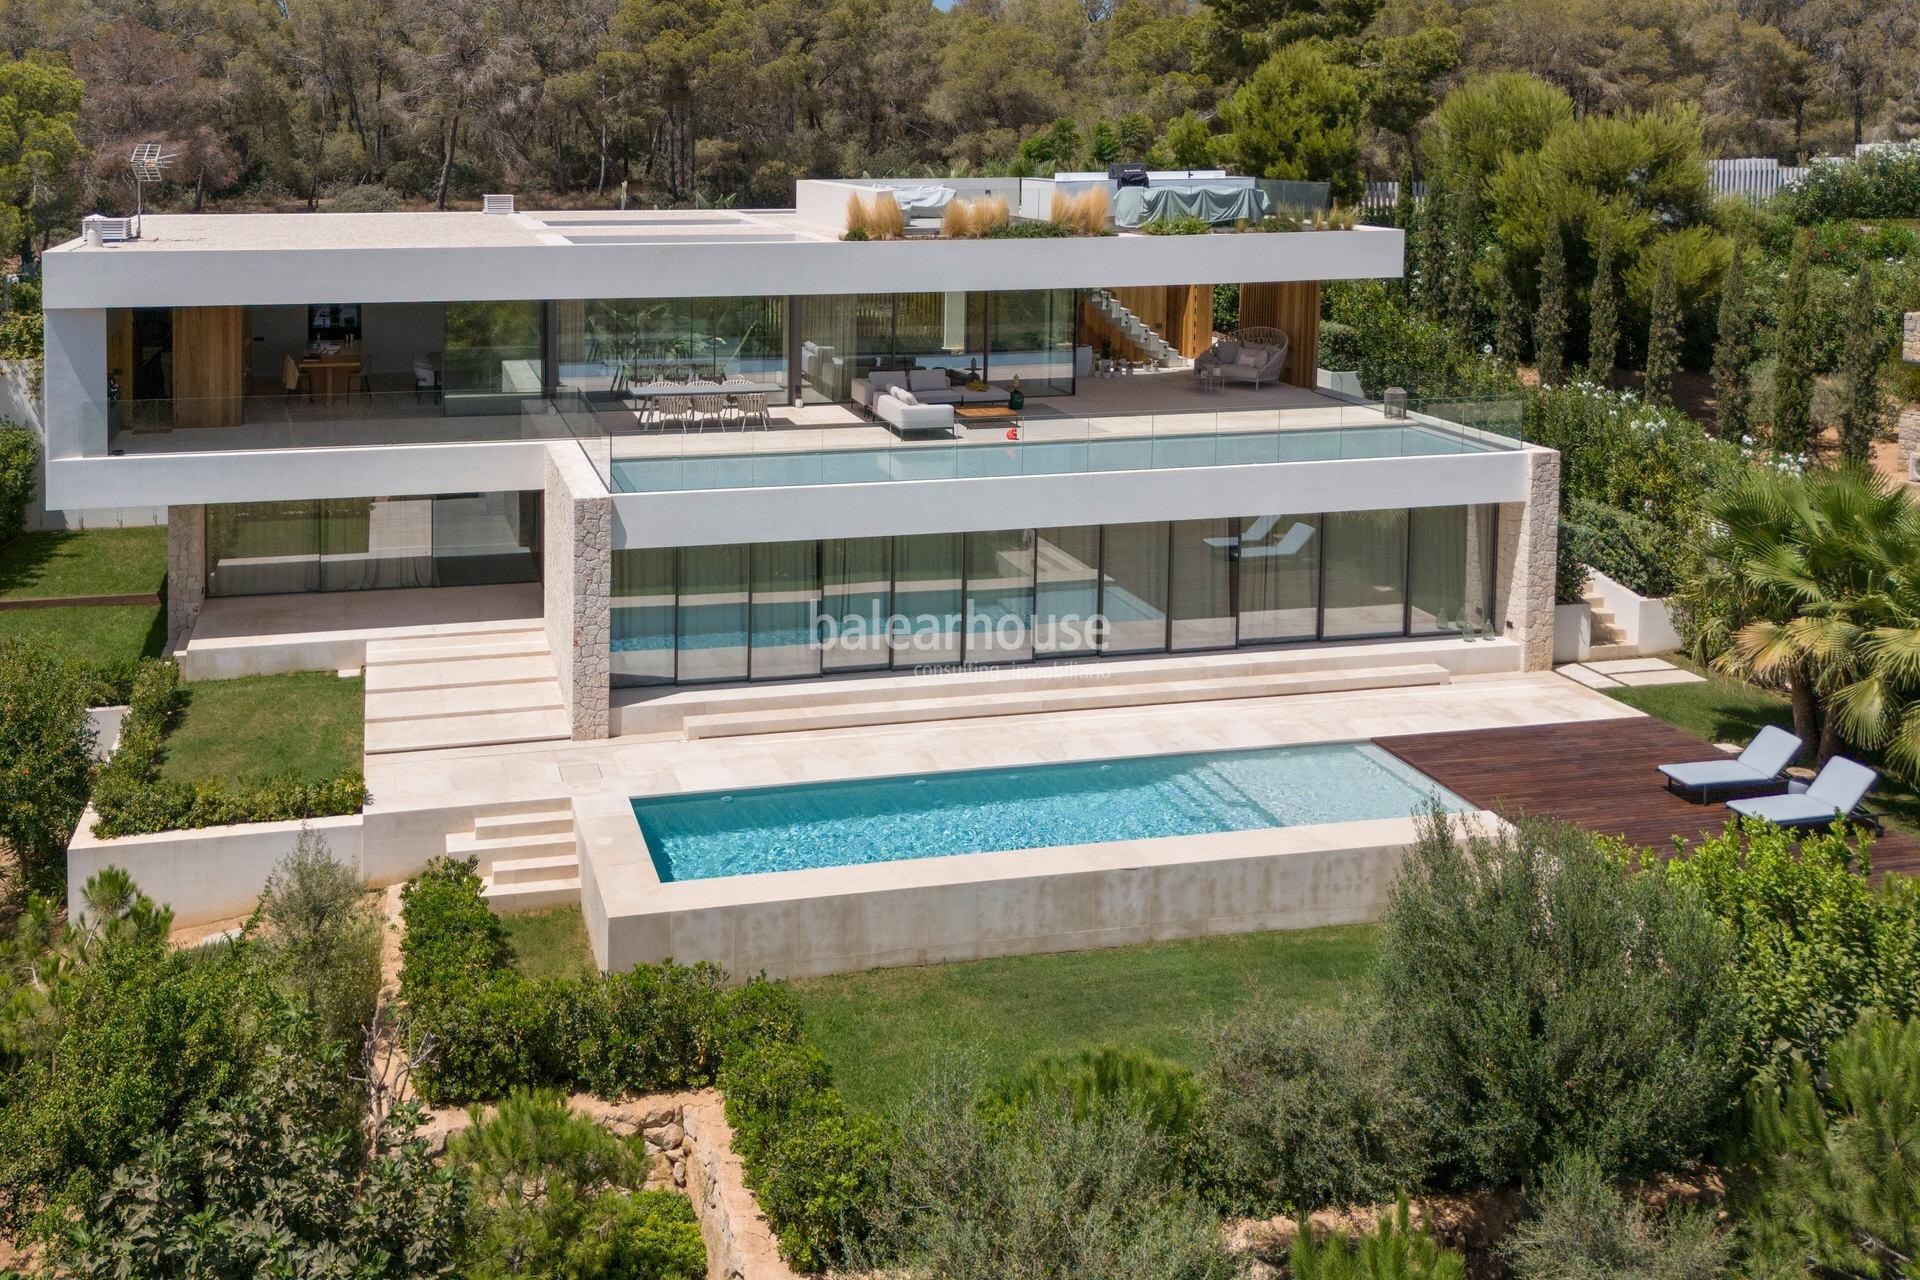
(619,505)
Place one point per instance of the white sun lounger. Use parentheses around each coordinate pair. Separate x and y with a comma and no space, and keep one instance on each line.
(1841,785)
(1770,752)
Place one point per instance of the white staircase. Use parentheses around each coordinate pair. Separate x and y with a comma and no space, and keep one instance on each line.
(472,689)
(1606,638)
(529,860)
(1135,330)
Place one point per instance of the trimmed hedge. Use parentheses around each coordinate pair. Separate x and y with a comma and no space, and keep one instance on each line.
(487,1029)
(132,799)
(19,467)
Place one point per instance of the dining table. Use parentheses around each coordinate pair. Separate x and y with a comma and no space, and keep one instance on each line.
(331,375)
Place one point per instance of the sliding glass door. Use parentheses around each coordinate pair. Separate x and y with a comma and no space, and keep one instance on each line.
(1066,591)
(927,602)
(713,613)
(1366,575)
(1000,596)
(1133,587)
(1201,590)
(1279,564)
(786,599)
(856,599)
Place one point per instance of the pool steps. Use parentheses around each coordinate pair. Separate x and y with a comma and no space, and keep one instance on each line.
(968,704)
(427,693)
(529,859)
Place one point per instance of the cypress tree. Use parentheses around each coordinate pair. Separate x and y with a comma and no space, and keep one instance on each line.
(1550,321)
(1603,342)
(1733,352)
(1432,295)
(1663,332)
(1860,365)
(1793,359)
(1509,323)
(1466,246)
(1406,217)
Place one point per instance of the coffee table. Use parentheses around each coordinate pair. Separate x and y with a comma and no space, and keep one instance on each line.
(982,414)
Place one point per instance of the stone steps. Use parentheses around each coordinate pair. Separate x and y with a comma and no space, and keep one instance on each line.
(529,858)
(961,704)
(453,673)
(464,700)
(517,643)
(491,729)
(487,689)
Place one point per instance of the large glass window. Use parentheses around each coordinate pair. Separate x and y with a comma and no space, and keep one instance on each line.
(713,613)
(1366,574)
(926,598)
(1000,596)
(1202,584)
(1451,576)
(1066,593)
(1030,337)
(1279,564)
(493,356)
(602,344)
(1133,587)
(786,596)
(360,544)
(643,616)
(855,602)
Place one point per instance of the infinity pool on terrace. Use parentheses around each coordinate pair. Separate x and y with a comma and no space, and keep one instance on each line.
(836,824)
(978,459)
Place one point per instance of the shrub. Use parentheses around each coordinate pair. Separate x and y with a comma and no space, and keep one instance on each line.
(1163,1094)
(47,743)
(1615,449)
(19,474)
(1883,183)
(1393,348)
(366,198)
(1179,224)
(1027,231)
(1307,1110)
(1391,1251)
(1840,1178)
(1553,999)
(558,1195)
(321,935)
(973,219)
(1816,943)
(1584,1229)
(1047,1193)
(132,799)
(1635,552)
(880,218)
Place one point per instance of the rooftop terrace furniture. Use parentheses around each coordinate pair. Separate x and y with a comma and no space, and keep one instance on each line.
(1220,203)
(1252,355)
(1838,790)
(900,409)
(1760,765)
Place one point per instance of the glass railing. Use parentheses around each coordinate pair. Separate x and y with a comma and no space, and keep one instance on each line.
(677,457)
(348,417)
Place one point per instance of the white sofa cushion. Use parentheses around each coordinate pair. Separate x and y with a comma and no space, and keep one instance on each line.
(903,395)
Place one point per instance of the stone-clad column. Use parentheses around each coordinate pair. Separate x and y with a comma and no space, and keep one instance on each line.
(1529,543)
(186,571)
(578,565)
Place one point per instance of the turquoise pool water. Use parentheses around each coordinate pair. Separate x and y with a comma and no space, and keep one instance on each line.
(975,459)
(838,824)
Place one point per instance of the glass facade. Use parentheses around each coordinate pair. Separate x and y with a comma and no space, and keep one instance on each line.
(784,610)
(600,344)
(363,544)
(996,337)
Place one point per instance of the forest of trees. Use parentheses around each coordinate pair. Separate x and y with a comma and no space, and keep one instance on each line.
(382,103)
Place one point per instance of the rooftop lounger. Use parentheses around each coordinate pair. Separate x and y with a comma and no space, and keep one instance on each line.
(1842,784)
(1765,758)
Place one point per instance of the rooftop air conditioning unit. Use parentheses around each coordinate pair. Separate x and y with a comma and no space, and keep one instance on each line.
(110,230)
(496,204)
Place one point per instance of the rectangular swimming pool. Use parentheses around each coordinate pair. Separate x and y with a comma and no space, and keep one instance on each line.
(837,824)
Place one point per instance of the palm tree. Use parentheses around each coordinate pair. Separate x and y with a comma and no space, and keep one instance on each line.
(1814,582)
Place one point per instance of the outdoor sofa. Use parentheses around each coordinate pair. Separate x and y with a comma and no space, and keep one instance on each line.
(1253,355)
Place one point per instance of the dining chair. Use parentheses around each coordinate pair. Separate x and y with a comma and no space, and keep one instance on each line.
(709,404)
(676,406)
(295,378)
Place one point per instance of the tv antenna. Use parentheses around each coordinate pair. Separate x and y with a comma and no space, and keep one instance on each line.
(149,165)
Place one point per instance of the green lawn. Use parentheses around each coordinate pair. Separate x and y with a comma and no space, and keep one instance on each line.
(308,724)
(1728,710)
(551,944)
(98,633)
(882,1030)
(83,562)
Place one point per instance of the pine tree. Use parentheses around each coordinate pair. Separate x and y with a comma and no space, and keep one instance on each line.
(1663,332)
(1465,246)
(1860,408)
(1550,321)
(1793,359)
(1733,352)
(1603,342)
(1509,322)
(1433,293)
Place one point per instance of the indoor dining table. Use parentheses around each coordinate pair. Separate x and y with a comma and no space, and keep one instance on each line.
(332,375)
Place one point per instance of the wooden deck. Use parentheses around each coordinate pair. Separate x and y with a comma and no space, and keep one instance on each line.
(1599,774)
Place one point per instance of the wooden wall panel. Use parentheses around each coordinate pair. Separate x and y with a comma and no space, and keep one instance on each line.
(1294,309)
(209,366)
(1189,318)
